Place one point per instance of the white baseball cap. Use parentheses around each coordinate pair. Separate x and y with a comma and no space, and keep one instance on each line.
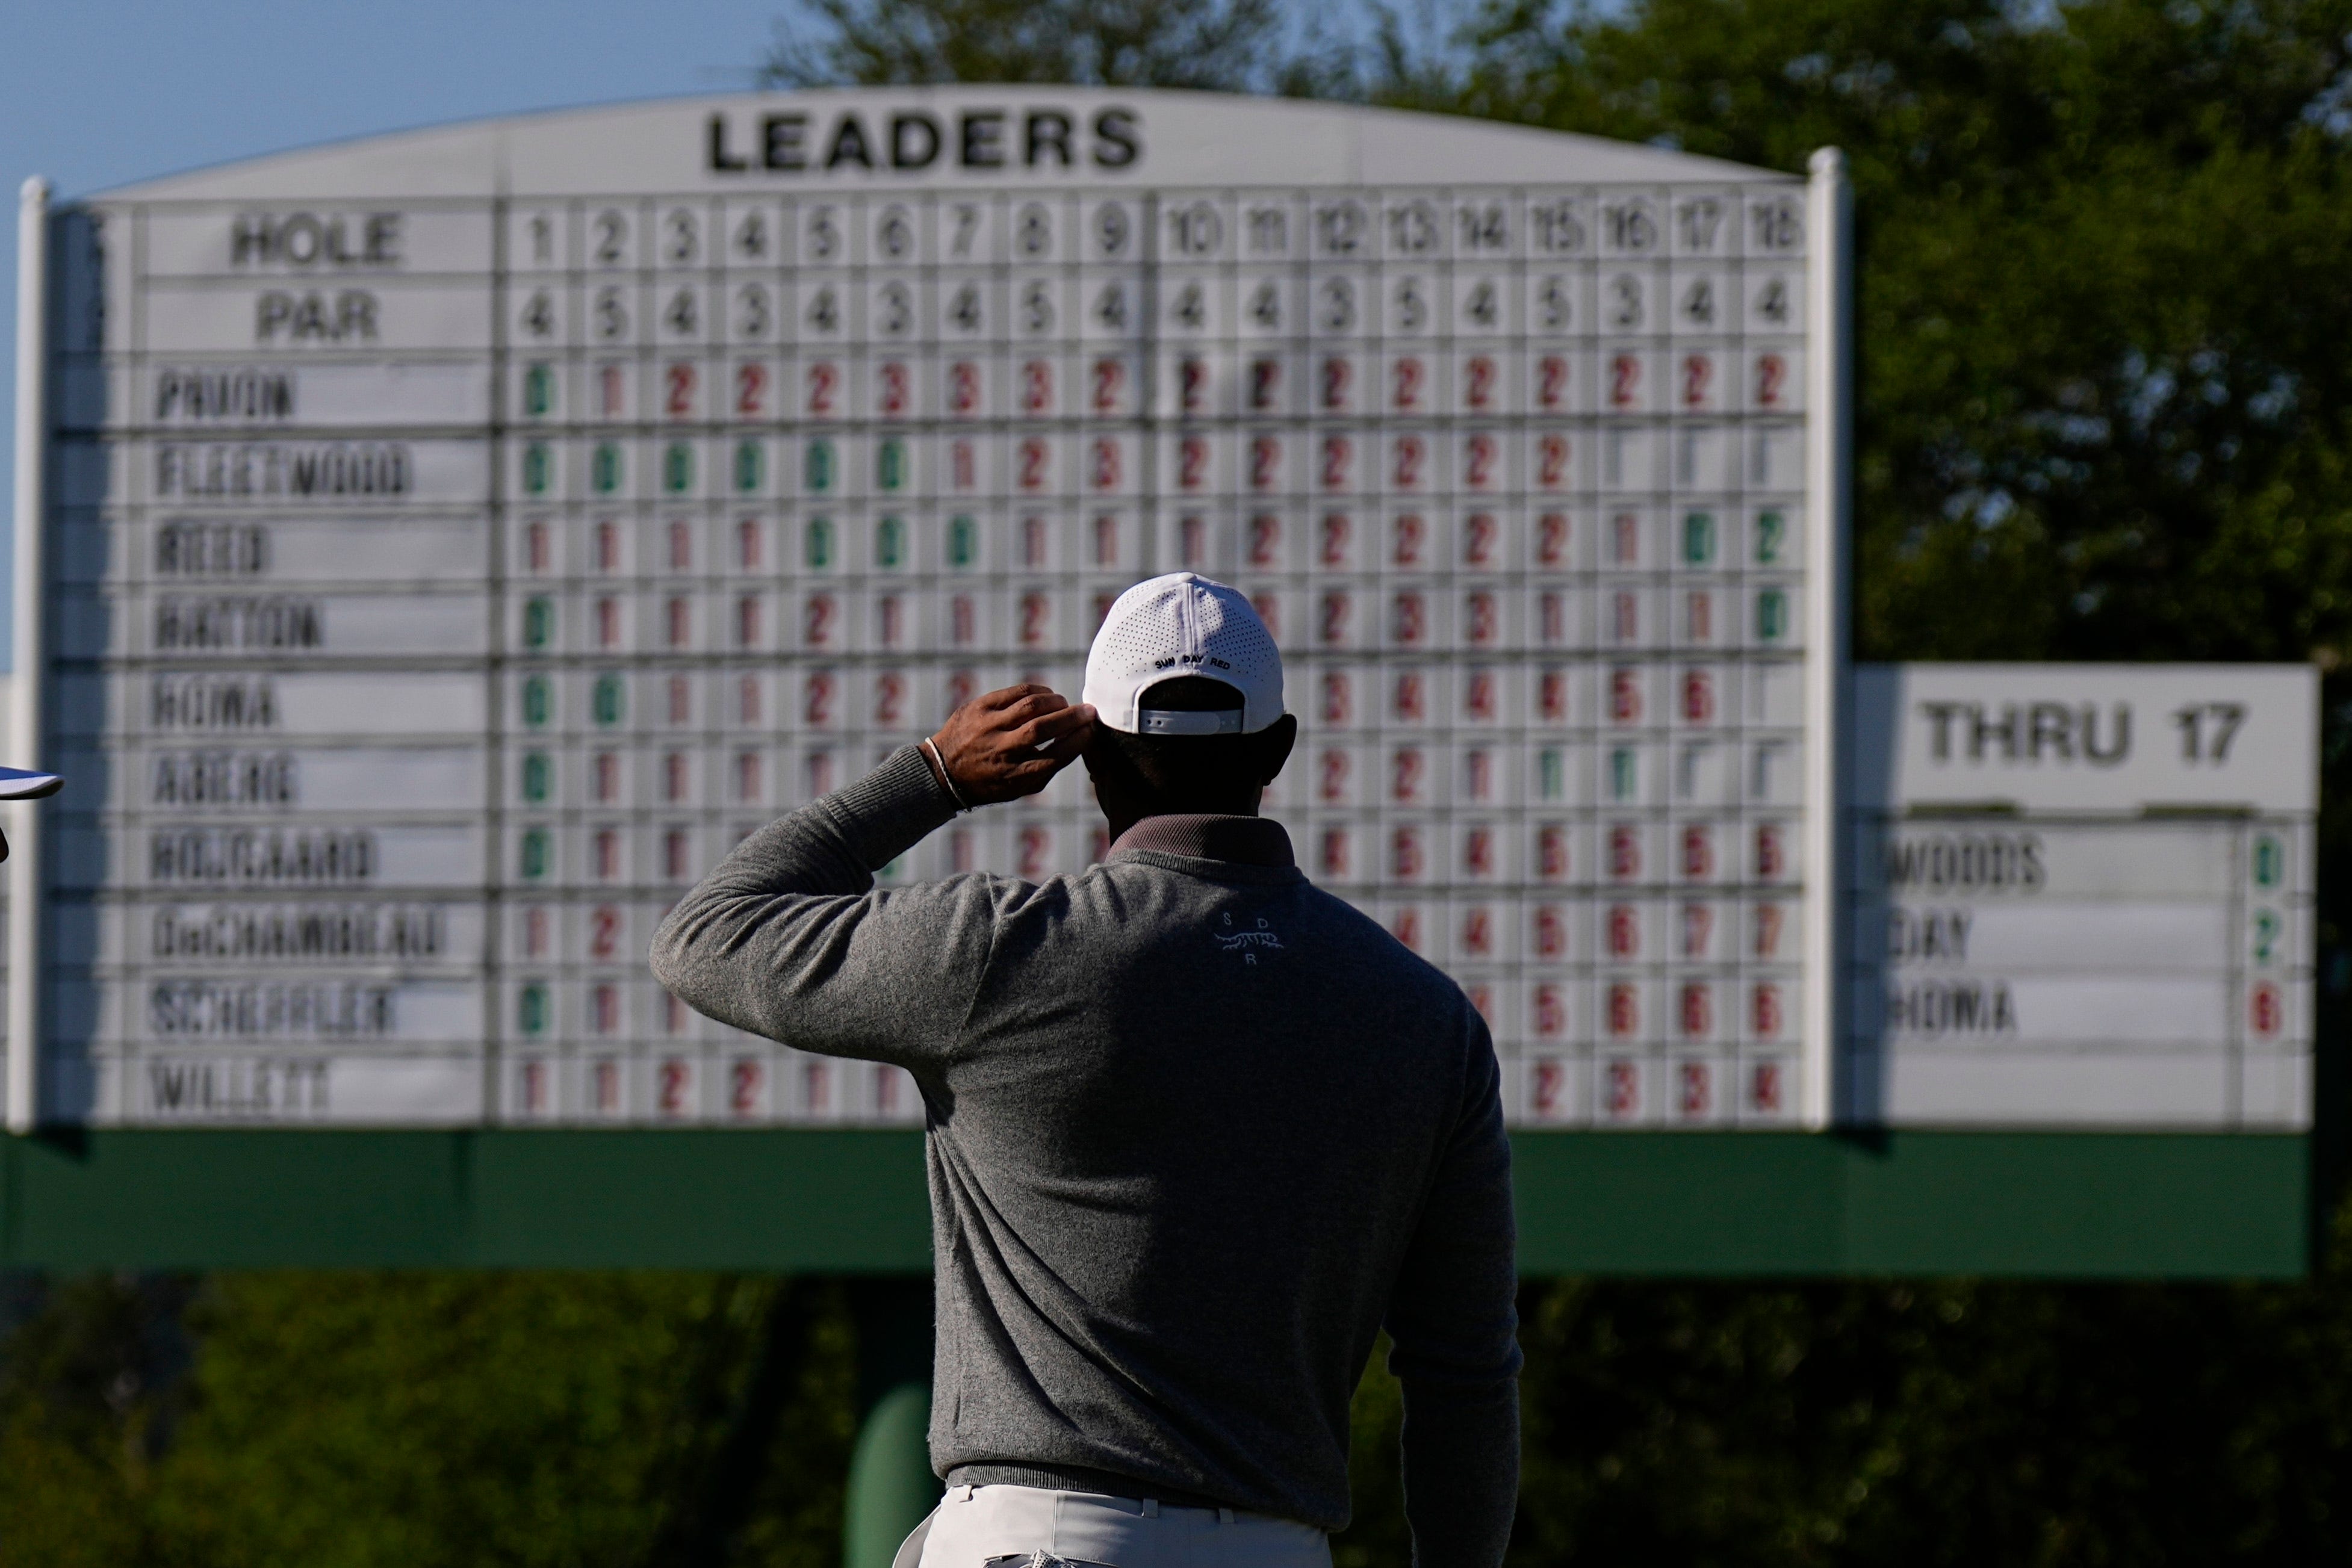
(1178,625)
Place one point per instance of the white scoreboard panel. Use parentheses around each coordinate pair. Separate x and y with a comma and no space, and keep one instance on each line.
(2082,894)
(456,540)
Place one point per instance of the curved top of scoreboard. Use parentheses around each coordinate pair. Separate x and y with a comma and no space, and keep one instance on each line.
(934,138)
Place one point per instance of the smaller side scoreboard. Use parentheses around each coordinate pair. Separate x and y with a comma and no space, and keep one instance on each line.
(2081,894)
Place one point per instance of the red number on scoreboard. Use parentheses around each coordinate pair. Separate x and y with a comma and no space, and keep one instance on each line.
(1338,611)
(1192,385)
(1698,853)
(1338,456)
(1551,932)
(1265,539)
(677,390)
(1624,932)
(1624,380)
(1771,372)
(1551,539)
(1338,531)
(1036,387)
(1339,381)
(1411,453)
(963,387)
(1552,462)
(1192,462)
(1405,778)
(1624,1011)
(1699,697)
(1551,852)
(1411,533)
(1551,382)
(1332,783)
(891,394)
(1110,385)
(1266,462)
(1479,455)
(1407,379)
(751,389)
(1478,540)
(1698,379)
(1339,697)
(1478,383)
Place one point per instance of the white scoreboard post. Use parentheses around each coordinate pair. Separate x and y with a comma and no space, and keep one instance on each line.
(455,540)
(2081,896)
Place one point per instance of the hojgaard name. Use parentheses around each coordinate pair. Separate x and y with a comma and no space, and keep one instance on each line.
(912,141)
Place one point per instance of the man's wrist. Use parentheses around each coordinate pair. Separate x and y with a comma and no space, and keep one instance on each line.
(929,748)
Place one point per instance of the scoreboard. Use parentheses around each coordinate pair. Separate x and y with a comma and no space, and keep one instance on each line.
(442,548)
(2080,896)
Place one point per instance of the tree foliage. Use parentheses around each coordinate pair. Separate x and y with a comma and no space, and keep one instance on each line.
(1112,43)
(348,1421)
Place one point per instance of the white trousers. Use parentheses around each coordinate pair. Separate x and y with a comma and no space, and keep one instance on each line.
(1030,1527)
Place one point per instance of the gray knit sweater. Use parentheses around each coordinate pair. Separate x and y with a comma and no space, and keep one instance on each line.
(1197,1132)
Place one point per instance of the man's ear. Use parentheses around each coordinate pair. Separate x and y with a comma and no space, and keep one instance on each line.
(1276,740)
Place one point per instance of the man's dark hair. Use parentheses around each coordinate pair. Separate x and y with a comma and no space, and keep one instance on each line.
(1218,773)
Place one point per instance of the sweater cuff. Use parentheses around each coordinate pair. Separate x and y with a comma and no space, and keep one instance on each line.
(891,809)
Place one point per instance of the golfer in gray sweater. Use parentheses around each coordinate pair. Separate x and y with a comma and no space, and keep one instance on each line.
(1197,1129)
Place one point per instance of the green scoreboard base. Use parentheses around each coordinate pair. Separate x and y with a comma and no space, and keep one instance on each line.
(2081,1205)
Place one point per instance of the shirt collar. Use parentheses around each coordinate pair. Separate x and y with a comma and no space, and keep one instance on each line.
(1247,841)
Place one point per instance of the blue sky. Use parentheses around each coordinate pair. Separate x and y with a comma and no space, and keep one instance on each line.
(98,92)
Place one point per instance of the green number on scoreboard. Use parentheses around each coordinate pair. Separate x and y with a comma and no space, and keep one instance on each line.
(2270,861)
(1771,534)
(889,543)
(820,543)
(678,468)
(539,390)
(536,468)
(1698,539)
(605,469)
(1771,615)
(605,706)
(538,623)
(890,465)
(534,702)
(750,467)
(962,541)
(532,1012)
(820,466)
(534,854)
(536,776)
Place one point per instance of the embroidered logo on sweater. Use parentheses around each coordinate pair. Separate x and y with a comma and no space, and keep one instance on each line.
(1248,942)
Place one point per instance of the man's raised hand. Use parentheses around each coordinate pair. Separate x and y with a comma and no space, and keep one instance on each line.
(1007,744)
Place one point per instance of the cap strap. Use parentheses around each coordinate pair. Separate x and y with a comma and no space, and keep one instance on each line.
(1169,721)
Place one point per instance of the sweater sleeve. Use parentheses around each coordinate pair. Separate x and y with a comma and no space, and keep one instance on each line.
(1454,1322)
(788,937)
